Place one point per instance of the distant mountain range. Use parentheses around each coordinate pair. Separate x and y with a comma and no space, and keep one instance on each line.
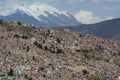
(50,17)
(109,29)
(41,15)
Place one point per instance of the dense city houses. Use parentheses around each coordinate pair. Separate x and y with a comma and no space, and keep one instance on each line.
(36,53)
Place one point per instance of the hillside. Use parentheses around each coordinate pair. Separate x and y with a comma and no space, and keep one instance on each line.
(56,54)
(109,29)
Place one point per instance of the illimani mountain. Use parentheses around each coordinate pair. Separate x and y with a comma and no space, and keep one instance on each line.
(41,15)
(109,29)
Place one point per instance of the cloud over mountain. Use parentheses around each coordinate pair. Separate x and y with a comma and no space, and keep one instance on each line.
(88,17)
(87,11)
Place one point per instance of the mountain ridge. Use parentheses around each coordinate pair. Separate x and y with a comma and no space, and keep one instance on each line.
(42,15)
(109,29)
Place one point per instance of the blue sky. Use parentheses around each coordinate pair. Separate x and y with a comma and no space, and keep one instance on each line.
(94,10)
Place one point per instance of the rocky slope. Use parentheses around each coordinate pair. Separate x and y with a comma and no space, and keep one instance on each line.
(56,53)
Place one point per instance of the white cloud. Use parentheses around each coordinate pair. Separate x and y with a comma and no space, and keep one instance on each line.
(87,17)
(109,18)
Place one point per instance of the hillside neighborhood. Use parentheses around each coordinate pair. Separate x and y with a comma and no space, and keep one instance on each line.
(35,53)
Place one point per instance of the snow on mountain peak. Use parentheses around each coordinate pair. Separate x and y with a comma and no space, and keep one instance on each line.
(44,7)
(37,10)
(40,15)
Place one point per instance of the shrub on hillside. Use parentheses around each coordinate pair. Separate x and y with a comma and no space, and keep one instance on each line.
(38,45)
(59,51)
(58,40)
(27,48)
(11,72)
(46,48)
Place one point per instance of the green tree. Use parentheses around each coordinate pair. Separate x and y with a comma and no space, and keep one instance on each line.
(46,48)
(27,48)
(38,45)
(58,40)
(59,51)
(11,72)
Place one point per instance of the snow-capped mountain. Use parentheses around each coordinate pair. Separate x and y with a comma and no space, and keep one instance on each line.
(41,15)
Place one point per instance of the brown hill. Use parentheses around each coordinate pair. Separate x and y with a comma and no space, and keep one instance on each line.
(56,53)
